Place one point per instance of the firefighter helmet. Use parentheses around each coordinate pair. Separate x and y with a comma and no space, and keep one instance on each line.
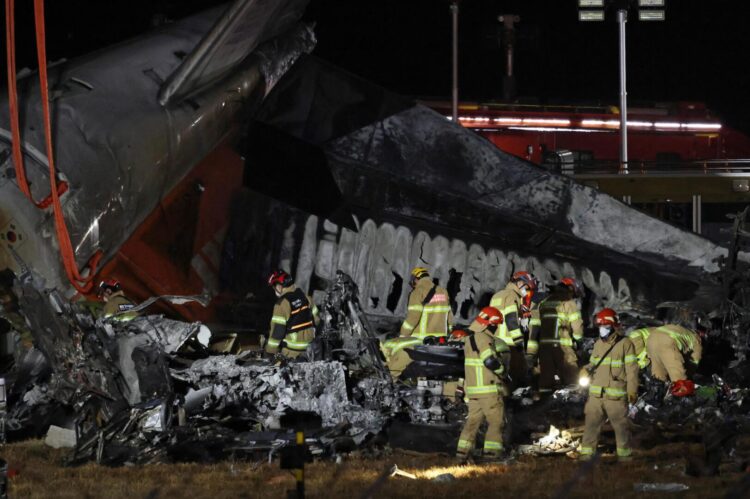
(683,388)
(416,274)
(280,277)
(457,334)
(574,285)
(419,272)
(527,278)
(490,316)
(607,317)
(112,285)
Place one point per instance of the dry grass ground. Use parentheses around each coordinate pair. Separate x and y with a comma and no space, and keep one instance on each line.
(40,474)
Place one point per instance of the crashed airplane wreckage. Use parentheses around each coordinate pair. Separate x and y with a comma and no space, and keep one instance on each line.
(147,390)
(395,185)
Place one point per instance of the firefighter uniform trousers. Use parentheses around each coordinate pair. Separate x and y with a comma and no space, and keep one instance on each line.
(557,360)
(561,325)
(597,410)
(668,346)
(492,409)
(484,390)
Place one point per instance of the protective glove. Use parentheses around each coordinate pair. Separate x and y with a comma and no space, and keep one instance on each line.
(632,398)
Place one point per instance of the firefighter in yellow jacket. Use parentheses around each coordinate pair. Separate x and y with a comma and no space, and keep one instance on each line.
(485,364)
(670,348)
(116,304)
(428,314)
(561,327)
(294,317)
(612,379)
(510,303)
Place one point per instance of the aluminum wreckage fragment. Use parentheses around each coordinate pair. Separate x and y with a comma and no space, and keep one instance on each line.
(147,390)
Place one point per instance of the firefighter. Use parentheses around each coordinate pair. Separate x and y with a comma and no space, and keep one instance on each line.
(486,359)
(513,304)
(115,301)
(670,347)
(612,379)
(639,337)
(561,327)
(294,317)
(428,314)
(16,323)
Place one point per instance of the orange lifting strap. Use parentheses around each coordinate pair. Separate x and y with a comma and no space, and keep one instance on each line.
(80,283)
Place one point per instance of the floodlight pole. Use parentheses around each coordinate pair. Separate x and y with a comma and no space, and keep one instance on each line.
(454,93)
(622,19)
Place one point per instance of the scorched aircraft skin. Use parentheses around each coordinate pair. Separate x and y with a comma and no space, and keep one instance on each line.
(151,158)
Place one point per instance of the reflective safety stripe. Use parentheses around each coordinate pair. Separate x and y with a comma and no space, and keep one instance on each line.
(481,390)
(408,326)
(586,451)
(630,359)
(534,321)
(415,308)
(486,354)
(532,347)
(315,310)
(566,342)
(473,362)
(278,319)
(492,445)
(575,316)
(296,345)
(683,340)
(622,452)
(398,344)
(273,343)
(437,309)
(598,391)
(464,444)
(643,359)
(550,341)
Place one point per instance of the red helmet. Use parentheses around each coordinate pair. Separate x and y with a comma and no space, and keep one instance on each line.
(109,285)
(526,278)
(607,317)
(490,316)
(280,277)
(573,284)
(457,334)
(683,388)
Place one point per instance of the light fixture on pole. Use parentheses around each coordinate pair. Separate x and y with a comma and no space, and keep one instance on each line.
(648,10)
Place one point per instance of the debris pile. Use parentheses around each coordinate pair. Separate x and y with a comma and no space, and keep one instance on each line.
(555,442)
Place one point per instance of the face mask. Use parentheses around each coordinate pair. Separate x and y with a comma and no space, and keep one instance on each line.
(524,291)
(277,293)
(604,331)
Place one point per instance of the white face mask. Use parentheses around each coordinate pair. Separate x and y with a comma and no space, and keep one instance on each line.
(277,292)
(524,291)
(604,331)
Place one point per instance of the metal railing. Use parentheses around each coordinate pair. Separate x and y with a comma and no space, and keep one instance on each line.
(635,167)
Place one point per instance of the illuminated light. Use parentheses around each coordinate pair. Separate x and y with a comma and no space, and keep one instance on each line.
(702,126)
(550,129)
(591,3)
(612,123)
(584,381)
(508,120)
(546,121)
(590,15)
(640,123)
(651,3)
(652,15)
(667,125)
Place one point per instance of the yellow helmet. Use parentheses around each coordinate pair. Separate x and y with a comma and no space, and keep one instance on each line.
(419,272)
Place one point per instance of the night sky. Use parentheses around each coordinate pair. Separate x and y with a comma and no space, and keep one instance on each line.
(699,54)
